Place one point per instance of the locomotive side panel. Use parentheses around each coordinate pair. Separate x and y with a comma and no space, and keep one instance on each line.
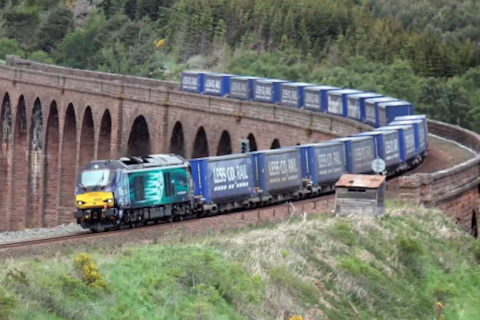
(158,187)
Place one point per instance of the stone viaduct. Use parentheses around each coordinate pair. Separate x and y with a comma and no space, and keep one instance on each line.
(54,120)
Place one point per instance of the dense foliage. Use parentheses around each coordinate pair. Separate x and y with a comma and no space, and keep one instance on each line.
(403,265)
(424,51)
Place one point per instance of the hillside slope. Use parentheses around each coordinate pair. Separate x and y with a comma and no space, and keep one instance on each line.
(395,267)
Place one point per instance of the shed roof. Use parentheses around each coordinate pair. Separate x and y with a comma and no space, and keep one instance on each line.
(360,180)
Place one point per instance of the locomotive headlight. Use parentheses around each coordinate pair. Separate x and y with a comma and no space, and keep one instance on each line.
(108,201)
(80,203)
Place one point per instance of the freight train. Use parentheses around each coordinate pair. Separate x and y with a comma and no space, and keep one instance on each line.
(138,190)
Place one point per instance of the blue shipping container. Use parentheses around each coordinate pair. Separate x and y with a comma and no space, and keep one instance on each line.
(360,153)
(267,90)
(292,94)
(371,110)
(223,178)
(416,117)
(420,134)
(277,170)
(356,104)
(323,163)
(217,84)
(192,81)
(316,98)
(407,140)
(337,101)
(387,145)
(242,87)
(387,111)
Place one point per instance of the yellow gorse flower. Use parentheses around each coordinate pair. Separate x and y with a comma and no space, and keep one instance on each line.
(90,274)
(159,43)
(296,318)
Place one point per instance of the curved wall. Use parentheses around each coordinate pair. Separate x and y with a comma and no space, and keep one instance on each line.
(455,190)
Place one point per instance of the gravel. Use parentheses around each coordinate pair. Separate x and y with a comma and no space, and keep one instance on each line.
(41,233)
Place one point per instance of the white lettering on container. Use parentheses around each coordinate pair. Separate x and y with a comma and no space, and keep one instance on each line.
(230,177)
(335,104)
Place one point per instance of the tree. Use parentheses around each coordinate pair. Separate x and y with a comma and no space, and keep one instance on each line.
(130,9)
(21,23)
(58,23)
(401,82)
(10,46)
(41,56)
(79,48)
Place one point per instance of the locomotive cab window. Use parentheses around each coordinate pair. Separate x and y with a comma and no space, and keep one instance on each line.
(93,178)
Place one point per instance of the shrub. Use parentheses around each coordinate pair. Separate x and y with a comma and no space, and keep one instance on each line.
(7,305)
(475,248)
(89,271)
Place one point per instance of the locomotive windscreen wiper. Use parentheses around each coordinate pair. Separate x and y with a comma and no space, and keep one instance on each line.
(98,183)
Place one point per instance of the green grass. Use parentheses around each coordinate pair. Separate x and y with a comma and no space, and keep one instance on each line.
(394,267)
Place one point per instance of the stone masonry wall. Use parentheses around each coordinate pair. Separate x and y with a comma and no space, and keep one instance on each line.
(455,189)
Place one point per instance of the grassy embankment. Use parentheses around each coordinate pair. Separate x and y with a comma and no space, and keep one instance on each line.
(395,267)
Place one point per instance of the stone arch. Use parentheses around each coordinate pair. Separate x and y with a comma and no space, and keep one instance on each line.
(200,146)
(252,142)
(35,166)
(68,168)
(105,137)
(19,178)
(6,140)
(87,139)
(139,140)
(225,144)
(474,227)
(275,144)
(177,141)
(52,141)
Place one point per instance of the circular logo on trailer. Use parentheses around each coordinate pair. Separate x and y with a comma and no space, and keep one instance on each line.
(160,185)
(378,165)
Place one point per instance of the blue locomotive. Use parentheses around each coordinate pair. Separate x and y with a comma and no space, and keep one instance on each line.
(134,190)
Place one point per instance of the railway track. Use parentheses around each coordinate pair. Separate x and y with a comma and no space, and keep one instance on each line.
(77,238)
